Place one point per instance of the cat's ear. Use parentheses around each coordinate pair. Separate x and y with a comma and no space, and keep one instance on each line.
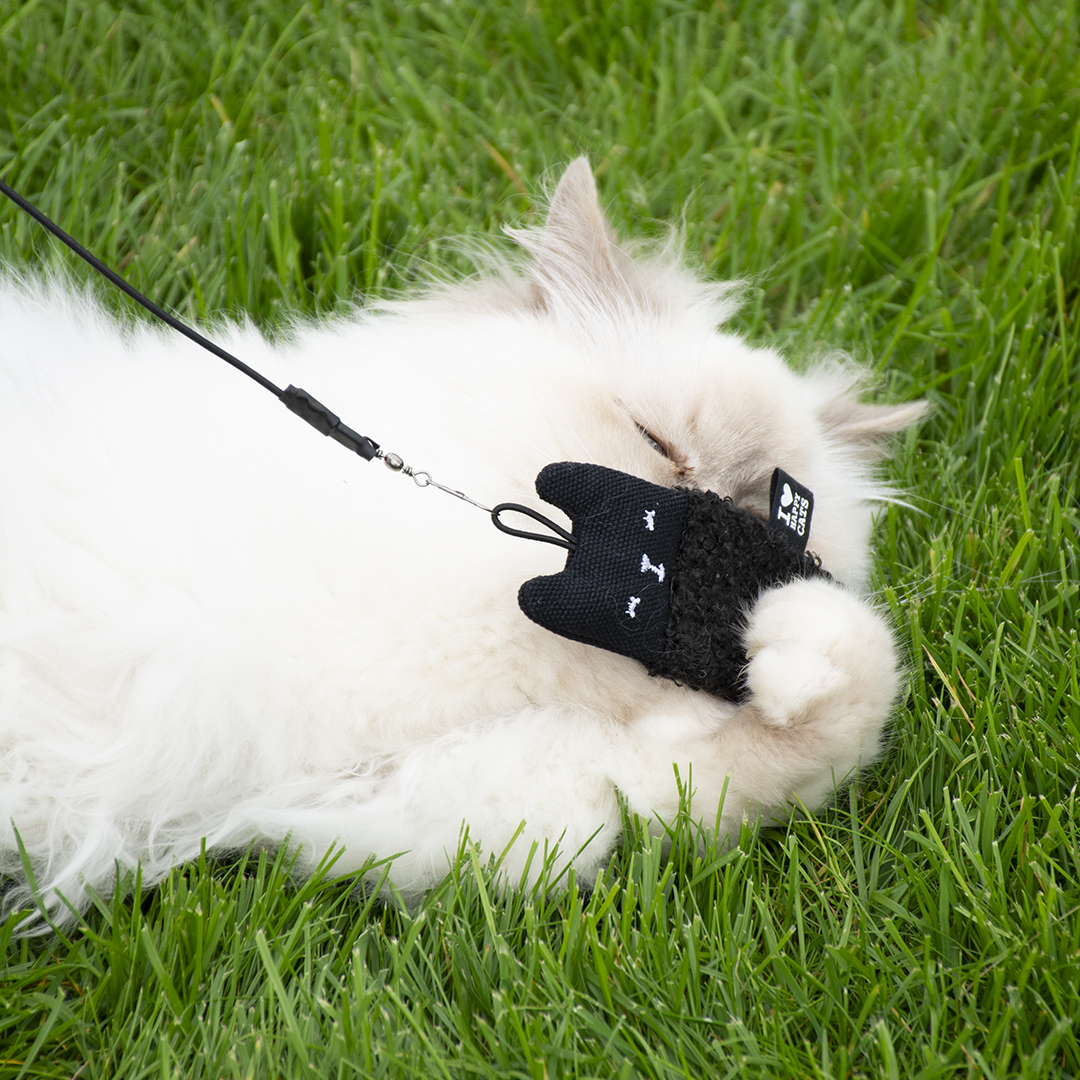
(576,222)
(576,256)
(866,427)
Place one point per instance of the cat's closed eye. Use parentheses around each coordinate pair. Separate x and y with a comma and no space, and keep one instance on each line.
(654,442)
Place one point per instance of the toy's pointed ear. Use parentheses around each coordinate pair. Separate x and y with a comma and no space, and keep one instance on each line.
(577,260)
(866,427)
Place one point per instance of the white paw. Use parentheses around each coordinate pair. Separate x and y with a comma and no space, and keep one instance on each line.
(787,678)
(815,645)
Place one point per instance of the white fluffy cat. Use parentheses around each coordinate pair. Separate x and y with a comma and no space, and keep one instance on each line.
(215,623)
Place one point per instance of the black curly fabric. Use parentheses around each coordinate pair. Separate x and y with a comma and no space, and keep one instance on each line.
(726,559)
(662,575)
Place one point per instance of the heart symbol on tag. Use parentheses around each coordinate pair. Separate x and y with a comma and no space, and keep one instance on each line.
(786,497)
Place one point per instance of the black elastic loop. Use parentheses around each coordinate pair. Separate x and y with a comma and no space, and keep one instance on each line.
(568,540)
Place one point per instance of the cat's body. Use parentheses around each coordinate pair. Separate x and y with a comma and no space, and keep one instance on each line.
(215,623)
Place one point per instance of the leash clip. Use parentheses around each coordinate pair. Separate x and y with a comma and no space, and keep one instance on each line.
(423,479)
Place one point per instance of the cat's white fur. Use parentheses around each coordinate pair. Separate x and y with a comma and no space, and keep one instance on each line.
(215,623)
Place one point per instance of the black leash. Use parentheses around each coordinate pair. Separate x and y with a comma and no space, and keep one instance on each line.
(293,398)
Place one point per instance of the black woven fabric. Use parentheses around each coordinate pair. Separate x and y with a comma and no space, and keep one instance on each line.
(726,558)
(614,591)
(662,575)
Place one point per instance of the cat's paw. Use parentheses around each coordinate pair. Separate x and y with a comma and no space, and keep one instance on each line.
(786,677)
(814,646)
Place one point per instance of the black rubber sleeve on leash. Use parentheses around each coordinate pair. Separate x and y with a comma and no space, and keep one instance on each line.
(329,423)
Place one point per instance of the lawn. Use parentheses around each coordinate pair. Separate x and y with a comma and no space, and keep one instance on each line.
(898,181)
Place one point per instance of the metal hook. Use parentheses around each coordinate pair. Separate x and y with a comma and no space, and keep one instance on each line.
(423,479)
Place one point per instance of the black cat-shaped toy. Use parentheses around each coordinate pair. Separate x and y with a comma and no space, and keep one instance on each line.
(666,575)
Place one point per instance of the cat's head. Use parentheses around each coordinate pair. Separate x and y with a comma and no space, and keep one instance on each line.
(664,394)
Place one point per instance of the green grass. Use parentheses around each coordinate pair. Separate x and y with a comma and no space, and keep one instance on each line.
(899,181)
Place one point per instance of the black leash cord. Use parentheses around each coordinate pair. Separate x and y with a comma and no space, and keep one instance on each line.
(292,397)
